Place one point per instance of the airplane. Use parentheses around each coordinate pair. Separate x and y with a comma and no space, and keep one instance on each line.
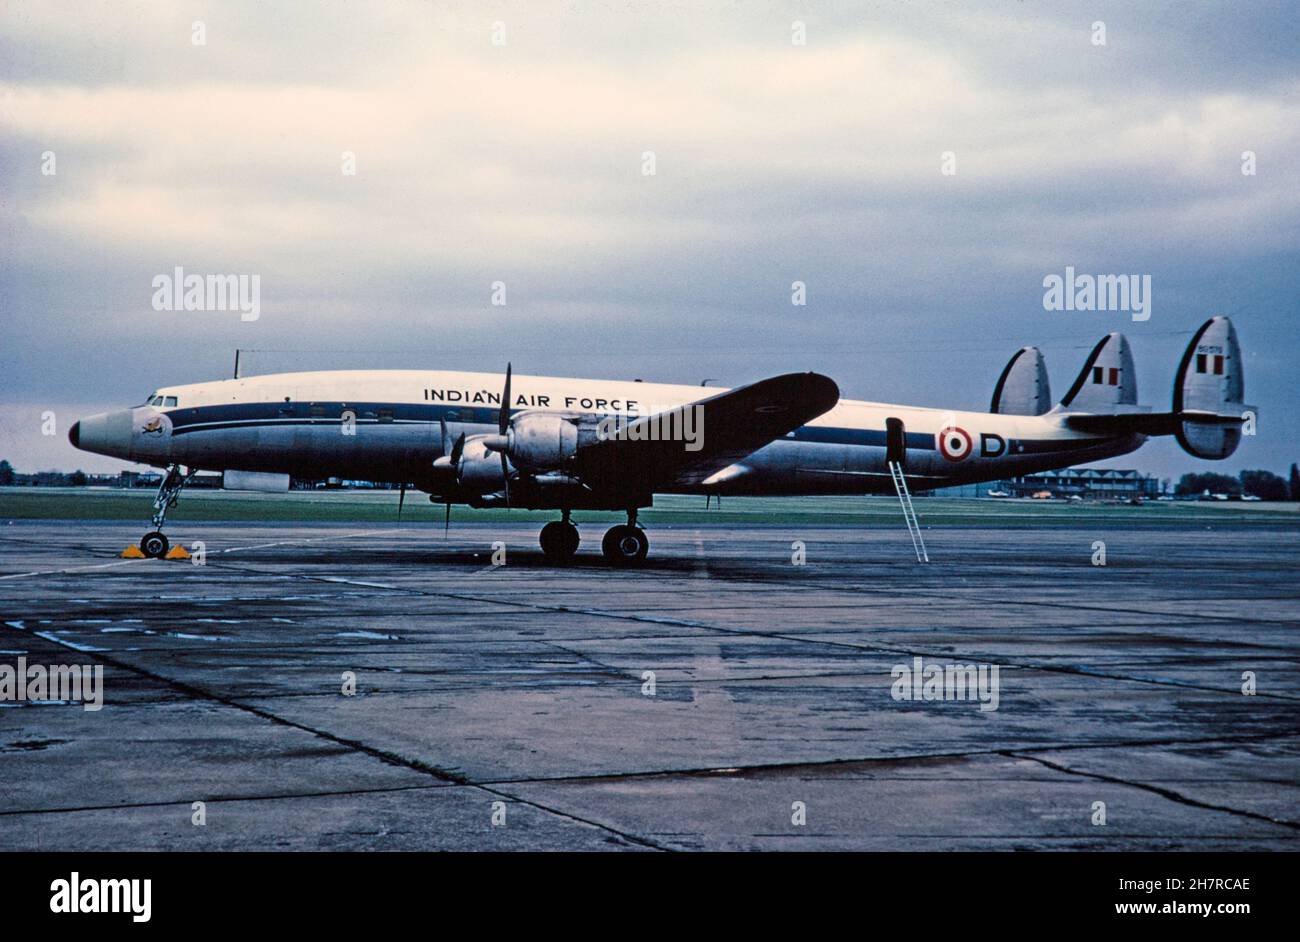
(540,442)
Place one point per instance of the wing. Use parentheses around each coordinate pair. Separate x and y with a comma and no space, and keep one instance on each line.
(710,434)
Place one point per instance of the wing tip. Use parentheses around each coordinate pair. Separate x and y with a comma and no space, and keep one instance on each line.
(829,389)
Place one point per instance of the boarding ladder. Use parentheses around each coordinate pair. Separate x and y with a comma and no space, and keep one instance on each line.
(909,513)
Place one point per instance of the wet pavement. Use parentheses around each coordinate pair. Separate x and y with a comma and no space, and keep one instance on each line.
(721,697)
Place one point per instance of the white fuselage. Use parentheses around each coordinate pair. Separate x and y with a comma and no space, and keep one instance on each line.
(387,426)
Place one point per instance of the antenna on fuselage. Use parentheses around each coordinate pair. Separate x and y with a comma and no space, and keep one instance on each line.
(237,352)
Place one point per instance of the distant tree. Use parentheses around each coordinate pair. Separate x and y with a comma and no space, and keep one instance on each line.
(77,478)
(1209,481)
(1295,483)
(1265,485)
(7,473)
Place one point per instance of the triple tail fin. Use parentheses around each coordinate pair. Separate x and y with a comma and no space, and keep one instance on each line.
(1208,409)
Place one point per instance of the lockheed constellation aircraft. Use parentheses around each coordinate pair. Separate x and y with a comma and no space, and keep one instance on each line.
(540,442)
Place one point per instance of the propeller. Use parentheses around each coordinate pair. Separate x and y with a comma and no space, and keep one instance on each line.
(450,458)
(446,524)
(503,423)
(401,499)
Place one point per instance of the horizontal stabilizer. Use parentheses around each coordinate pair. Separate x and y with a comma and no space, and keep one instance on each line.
(1149,423)
(1023,388)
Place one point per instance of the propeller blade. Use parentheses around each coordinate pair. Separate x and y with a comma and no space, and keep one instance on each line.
(401,499)
(446,524)
(503,419)
(503,423)
(442,423)
(456,449)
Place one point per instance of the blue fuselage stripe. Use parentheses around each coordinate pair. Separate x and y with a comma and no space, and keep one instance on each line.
(276,414)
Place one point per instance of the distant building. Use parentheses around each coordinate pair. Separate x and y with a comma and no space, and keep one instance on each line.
(963,490)
(139,479)
(154,478)
(1093,483)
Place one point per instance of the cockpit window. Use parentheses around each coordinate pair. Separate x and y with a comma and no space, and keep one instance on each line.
(169,401)
(156,401)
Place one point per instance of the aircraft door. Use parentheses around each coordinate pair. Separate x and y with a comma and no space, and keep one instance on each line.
(895,442)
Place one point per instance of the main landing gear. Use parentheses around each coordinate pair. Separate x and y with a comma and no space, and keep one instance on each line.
(153,544)
(624,545)
(560,540)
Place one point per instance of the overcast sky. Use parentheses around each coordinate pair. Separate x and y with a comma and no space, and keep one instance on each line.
(523,163)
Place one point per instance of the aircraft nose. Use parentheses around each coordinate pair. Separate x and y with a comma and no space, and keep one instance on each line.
(108,433)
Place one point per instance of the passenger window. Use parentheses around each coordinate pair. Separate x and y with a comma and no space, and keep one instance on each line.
(317,412)
(385,415)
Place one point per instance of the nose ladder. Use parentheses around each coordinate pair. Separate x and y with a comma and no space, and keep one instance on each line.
(909,512)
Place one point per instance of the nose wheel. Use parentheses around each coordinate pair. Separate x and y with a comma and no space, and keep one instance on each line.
(559,540)
(154,545)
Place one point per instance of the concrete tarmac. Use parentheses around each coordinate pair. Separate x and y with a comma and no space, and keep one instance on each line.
(722,697)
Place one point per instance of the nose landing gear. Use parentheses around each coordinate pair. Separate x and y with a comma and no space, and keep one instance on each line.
(626,545)
(153,544)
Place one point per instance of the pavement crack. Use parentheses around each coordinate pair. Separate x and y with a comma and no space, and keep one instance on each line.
(1168,793)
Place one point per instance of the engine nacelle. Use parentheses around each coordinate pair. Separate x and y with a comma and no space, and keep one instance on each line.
(542,441)
(480,467)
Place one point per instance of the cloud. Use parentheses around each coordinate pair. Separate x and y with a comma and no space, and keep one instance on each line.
(523,163)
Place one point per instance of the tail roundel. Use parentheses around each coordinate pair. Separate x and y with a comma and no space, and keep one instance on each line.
(1208,392)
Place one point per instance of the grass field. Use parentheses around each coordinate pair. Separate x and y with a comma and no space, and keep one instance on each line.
(26,503)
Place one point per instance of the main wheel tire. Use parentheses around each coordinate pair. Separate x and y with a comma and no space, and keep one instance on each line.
(154,545)
(559,541)
(625,545)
